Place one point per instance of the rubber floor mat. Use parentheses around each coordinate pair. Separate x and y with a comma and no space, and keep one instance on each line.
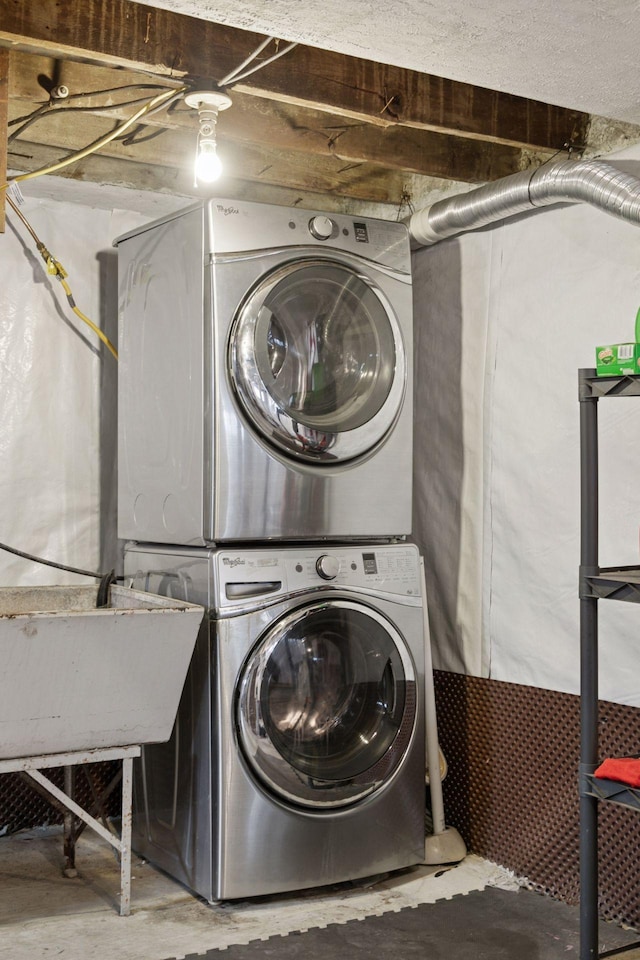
(490,924)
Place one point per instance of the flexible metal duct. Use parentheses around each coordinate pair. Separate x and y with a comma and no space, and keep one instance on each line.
(586,181)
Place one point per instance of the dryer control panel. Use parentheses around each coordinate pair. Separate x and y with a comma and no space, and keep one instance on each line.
(245,226)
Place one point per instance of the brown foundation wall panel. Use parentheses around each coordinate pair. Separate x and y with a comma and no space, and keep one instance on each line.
(22,808)
(512,788)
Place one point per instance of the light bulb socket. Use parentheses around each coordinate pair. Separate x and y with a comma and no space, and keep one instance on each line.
(212,100)
(207,125)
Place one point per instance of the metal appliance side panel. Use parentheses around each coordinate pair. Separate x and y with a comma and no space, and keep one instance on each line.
(184,573)
(160,383)
(266,846)
(256,494)
(174,802)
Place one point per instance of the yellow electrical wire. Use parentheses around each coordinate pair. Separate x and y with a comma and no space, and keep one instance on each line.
(105,339)
(55,268)
(80,154)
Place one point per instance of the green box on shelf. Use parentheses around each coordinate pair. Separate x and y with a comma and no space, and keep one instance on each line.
(618,359)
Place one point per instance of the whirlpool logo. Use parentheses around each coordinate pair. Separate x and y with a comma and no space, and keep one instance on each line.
(233,561)
(226,211)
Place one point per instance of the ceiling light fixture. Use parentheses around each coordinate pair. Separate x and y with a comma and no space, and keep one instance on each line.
(208,103)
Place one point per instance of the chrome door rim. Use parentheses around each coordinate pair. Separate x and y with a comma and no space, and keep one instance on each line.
(272,769)
(314,441)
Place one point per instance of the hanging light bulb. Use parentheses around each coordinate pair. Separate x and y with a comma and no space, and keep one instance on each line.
(208,165)
(208,103)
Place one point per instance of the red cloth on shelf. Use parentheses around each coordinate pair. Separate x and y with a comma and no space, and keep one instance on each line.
(623,769)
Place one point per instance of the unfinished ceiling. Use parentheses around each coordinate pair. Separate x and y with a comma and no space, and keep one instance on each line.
(349,115)
(581,54)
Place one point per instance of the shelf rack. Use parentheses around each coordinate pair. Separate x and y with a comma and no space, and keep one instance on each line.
(596,583)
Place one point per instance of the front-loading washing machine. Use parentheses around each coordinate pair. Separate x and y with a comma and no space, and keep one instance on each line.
(265,376)
(297,758)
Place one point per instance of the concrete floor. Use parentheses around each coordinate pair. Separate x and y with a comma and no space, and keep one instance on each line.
(45,915)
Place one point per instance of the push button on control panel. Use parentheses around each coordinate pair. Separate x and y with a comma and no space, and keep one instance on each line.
(328,567)
(321,227)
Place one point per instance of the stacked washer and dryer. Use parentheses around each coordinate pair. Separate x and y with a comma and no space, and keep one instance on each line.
(265,454)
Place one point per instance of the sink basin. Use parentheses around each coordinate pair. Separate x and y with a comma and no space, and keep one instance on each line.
(77,677)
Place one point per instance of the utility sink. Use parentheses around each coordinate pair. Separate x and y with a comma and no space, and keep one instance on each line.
(77,677)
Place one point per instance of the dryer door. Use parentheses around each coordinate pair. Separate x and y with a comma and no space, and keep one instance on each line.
(326,704)
(317,361)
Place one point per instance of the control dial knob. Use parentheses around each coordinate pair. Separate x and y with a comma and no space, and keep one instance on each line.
(321,227)
(328,567)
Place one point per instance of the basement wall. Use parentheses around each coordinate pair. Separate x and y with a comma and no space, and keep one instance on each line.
(58,392)
(504,318)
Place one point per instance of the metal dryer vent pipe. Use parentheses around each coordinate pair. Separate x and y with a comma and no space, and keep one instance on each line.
(568,181)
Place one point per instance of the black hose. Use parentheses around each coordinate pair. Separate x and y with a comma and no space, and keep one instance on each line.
(104,590)
(51,563)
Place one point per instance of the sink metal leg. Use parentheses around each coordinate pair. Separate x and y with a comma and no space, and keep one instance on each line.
(69,868)
(75,817)
(125,837)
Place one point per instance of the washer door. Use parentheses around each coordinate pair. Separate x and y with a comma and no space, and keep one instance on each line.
(317,361)
(326,704)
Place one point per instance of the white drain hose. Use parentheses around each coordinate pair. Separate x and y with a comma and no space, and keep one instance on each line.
(431,721)
(444,844)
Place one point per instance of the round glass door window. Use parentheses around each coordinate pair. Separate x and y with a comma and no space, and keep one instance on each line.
(317,362)
(326,704)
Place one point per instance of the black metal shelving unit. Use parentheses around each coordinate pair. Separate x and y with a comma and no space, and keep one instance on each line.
(596,583)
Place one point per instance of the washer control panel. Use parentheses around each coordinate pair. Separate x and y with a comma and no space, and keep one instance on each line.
(392,569)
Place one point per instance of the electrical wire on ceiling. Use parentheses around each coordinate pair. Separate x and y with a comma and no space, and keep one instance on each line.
(55,268)
(151,106)
(236,75)
(229,77)
(56,105)
(53,105)
(131,139)
(136,136)
(117,134)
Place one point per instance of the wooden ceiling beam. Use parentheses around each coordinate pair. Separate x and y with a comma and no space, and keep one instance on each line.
(253,166)
(164,43)
(251,120)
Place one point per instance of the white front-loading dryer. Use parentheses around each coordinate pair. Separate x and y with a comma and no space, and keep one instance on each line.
(297,758)
(265,376)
